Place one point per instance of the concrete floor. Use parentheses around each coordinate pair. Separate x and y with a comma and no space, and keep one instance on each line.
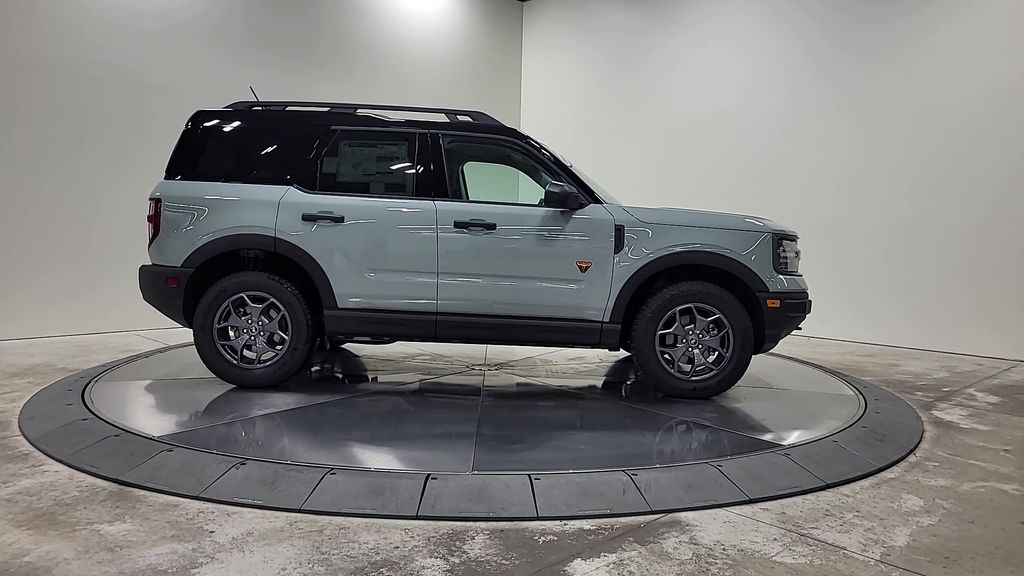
(955,507)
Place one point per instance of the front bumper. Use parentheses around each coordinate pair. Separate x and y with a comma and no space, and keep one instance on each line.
(783,313)
(163,288)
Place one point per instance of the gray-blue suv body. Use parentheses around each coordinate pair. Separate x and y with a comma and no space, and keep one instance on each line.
(281,226)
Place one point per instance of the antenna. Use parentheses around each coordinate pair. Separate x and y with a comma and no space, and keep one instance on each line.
(254,93)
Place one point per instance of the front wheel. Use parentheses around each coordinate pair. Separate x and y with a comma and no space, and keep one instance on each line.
(253,329)
(693,340)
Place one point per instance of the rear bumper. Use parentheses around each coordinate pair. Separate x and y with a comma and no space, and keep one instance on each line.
(783,313)
(163,288)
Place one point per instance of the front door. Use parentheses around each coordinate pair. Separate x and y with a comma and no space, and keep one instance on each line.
(501,252)
(369,223)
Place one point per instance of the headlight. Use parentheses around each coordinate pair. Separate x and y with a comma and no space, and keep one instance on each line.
(787,255)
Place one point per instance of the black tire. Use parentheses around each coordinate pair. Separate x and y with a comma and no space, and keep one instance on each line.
(296,356)
(646,326)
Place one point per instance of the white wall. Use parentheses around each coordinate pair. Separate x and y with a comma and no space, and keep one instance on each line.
(94,94)
(889,134)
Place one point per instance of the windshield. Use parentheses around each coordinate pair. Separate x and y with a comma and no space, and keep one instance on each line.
(605,195)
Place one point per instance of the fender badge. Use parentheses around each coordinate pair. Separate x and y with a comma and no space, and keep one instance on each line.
(583,265)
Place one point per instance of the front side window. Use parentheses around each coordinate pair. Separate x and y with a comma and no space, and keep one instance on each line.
(483,170)
(373,163)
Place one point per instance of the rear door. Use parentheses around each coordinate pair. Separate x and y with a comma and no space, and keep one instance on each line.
(370,222)
(501,252)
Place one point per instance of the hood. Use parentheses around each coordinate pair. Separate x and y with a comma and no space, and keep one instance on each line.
(704,219)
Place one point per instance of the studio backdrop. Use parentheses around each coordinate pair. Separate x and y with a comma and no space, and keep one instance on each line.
(889,134)
(94,95)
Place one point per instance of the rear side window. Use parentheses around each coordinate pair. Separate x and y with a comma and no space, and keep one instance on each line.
(236,150)
(368,162)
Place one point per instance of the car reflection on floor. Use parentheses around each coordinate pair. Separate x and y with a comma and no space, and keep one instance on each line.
(378,407)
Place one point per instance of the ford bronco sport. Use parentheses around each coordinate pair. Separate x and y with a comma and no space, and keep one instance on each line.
(280,226)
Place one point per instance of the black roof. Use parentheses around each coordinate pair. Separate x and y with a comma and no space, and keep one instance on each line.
(364,115)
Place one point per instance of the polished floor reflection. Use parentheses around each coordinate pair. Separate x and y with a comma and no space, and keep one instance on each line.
(464,408)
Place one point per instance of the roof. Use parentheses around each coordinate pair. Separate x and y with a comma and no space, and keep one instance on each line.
(371,116)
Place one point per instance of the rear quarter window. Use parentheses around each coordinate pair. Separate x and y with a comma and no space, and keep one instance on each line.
(235,149)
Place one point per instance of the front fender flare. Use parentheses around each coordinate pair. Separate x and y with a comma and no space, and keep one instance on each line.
(680,259)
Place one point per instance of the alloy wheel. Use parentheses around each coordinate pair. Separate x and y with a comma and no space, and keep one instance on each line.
(694,341)
(252,330)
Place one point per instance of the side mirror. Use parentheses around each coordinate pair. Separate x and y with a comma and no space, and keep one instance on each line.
(563,196)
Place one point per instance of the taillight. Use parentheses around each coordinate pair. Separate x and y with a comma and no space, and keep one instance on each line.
(153,218)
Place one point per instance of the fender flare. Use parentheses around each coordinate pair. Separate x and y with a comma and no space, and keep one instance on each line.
(676,260)
(236,242)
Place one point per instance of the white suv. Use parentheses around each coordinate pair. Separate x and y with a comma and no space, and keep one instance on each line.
(282,224)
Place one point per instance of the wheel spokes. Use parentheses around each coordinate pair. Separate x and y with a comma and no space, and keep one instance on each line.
(716,344)
(259,349)
(252,329)
(274,326)
(677,355)
(698,360)
(699,323)
(694,341)
(232,320)
(233,343)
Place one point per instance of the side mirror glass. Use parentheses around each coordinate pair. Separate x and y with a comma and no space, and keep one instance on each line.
(562,196)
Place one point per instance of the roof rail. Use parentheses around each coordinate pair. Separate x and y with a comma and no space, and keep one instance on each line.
(452,114)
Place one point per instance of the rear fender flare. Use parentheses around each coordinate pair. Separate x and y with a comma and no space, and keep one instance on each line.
(236,242)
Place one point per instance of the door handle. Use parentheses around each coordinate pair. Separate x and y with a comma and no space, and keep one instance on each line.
(474,225)
(321,217)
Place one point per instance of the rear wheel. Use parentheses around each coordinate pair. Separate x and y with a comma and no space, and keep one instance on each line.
(253,330)
(693,340)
